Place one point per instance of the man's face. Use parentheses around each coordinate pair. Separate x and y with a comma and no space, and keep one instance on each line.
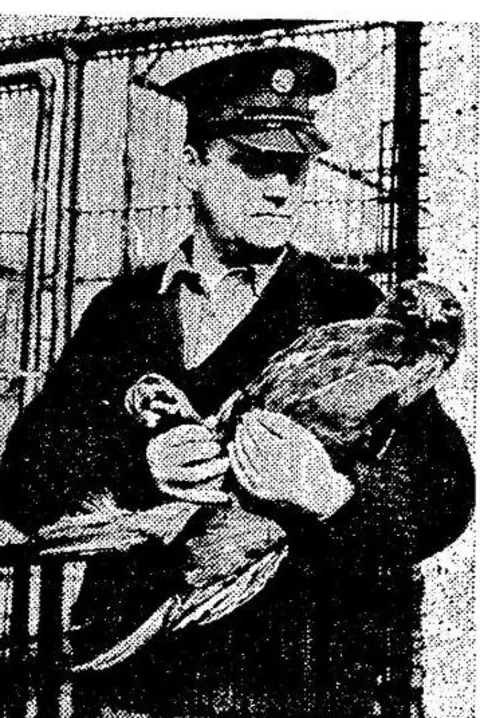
(248,199)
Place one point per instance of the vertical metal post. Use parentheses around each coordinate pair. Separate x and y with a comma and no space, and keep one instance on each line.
(406,140)
(52,659)
(67,215)
(128,175)
(36,236)
(19,619)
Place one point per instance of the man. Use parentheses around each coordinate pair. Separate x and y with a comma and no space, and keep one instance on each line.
(320,638)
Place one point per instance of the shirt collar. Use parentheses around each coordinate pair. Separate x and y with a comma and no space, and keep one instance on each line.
(177,265)
(180,268)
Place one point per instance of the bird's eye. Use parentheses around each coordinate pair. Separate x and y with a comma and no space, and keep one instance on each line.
(407,298)
(448,305)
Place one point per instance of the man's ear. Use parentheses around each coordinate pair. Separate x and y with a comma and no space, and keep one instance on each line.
(189,165)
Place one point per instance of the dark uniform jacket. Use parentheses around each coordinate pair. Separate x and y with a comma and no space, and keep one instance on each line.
(332,632)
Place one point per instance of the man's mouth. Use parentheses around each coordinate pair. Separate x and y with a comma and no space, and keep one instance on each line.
(279,215)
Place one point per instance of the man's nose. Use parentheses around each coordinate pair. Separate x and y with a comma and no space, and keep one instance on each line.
(277,189)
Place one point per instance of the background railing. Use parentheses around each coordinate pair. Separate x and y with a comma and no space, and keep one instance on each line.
(89,166)
(112,201)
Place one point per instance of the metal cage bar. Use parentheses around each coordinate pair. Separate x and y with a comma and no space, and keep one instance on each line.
(407,121)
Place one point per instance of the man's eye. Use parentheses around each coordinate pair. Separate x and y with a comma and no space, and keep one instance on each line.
(261,167)
(256,170)
(256,167)
(296,171)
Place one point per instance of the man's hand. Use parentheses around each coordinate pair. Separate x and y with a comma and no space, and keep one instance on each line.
(186,463)
(275,459)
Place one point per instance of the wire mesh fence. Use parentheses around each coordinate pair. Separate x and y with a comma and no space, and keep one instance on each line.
(131,207)
(126,206)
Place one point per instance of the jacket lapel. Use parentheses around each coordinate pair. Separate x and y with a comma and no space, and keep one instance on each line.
(283,310)
(151,326)
(279,315)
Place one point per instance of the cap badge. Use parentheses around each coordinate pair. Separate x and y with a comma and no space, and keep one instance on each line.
(283,80)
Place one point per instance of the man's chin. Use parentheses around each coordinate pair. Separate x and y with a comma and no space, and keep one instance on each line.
(261,250)
(272,237)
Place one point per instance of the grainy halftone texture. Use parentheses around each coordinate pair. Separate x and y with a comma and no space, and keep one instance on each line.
(271,614)
(450,83)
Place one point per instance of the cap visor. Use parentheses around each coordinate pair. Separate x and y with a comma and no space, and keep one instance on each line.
(283,140)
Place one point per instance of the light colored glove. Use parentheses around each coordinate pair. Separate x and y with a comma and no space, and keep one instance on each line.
(186,462)
(275,459)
